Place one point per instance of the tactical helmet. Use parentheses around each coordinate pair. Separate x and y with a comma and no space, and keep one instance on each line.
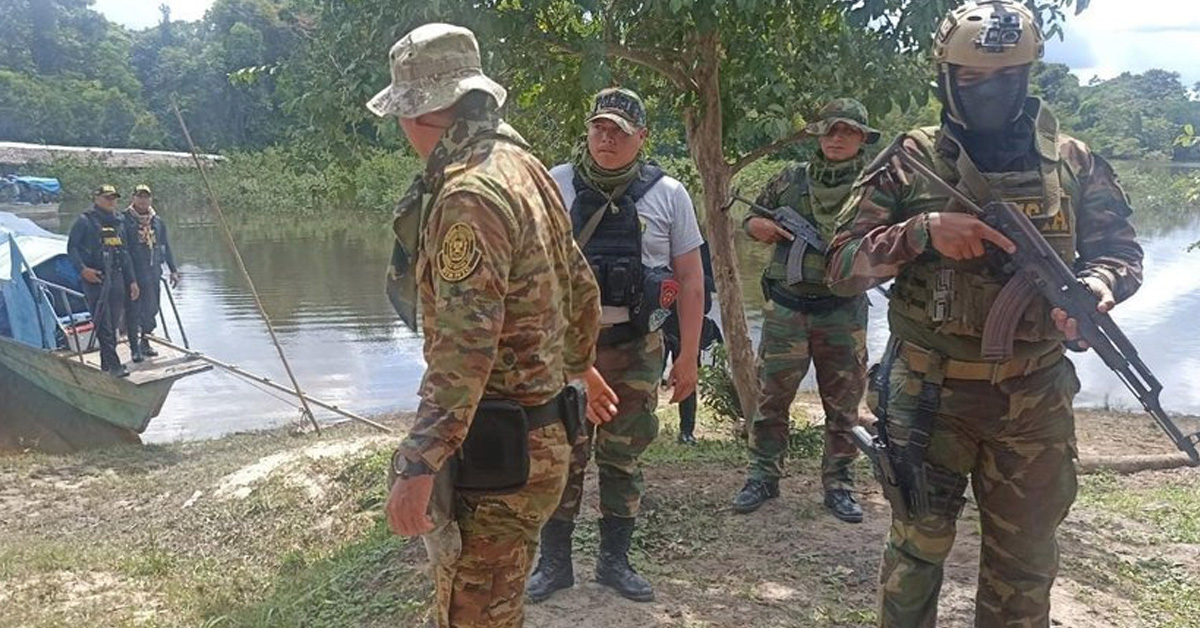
(989,34)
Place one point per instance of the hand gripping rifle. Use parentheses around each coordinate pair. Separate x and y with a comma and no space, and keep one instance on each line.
(1037,269)
(804,235)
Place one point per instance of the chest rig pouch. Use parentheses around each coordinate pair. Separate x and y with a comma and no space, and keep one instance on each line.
(797,195)
(614,248)
(954,297)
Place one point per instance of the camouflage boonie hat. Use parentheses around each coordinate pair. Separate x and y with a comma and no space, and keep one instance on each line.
(847,111)
(106,190)
(622,106)
(432,68)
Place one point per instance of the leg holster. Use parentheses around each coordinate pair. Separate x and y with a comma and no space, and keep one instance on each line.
(912,485)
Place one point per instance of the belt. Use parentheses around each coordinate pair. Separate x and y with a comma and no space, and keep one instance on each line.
(918,361)
(620,333)
(544,415)
(803,303)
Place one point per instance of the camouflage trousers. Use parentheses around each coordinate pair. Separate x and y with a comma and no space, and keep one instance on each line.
(1016,441)
(632,369)
(835,343)
(484,585)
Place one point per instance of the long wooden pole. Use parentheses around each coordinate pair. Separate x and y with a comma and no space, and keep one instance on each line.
(237,256)
(236,370)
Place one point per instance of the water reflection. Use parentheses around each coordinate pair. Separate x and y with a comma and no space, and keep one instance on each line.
(321,282)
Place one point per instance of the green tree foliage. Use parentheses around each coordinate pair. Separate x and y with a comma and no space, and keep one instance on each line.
(1132,116)
(71,77)
(734,79)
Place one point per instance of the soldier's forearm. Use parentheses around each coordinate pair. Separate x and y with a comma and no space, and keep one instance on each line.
(855,265)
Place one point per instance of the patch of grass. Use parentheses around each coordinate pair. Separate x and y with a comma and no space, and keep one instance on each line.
(370,582)
(1172,508)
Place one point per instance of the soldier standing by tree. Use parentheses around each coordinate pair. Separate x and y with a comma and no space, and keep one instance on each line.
(804,323)
(950,415)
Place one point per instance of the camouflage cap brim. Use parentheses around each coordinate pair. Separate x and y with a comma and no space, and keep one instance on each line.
(628,127)
(821,127)
(423,96)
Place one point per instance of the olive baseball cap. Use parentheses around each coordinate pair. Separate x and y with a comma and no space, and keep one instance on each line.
(847,111)
(622,106)
(432,68)
(142,189)
(106,190)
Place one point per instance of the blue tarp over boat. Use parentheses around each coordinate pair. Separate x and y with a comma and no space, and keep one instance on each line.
(28,251)
(45,184)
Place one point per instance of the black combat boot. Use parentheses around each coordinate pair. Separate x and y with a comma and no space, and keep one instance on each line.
(842,504)
(612,567)
(147,348)
(118,371)
(754,494)
(554,569)
(135,351)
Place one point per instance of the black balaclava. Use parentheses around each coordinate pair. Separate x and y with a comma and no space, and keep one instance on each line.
(993,104)
(995,129)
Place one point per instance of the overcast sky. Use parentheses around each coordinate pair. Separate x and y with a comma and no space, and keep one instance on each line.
(1111,37)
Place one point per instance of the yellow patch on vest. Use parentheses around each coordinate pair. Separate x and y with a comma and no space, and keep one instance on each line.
(458,255)
(1034,208)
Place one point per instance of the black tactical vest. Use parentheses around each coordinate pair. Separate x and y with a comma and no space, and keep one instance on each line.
(615,249)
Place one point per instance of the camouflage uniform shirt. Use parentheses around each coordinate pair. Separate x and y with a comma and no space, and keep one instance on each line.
(509,305)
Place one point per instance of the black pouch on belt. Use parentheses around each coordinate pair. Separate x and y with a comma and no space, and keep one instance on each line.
(574,410)
(494,458)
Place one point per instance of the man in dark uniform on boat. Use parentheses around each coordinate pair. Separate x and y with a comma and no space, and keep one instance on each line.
(97,247)
(149,248)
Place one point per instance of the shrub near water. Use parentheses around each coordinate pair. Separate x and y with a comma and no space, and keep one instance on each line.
(272,181)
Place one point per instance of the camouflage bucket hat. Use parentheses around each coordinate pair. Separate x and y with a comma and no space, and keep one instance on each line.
(847,111)
(624,107)
(432,68)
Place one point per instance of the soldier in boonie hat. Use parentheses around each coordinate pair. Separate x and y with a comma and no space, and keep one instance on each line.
(847,111)
(432,68)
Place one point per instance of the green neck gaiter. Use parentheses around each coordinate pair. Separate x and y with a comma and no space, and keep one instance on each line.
(610,182)
(829,185)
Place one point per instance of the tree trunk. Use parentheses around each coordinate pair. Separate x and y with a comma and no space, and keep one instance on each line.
(704,138)
(1132,464)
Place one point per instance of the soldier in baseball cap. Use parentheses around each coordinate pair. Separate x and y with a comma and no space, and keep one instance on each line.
(622,106)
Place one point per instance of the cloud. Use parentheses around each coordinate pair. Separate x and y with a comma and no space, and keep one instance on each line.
(139,14)
(1114,37)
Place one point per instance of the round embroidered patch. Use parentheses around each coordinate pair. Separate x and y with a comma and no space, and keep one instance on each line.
(458,255)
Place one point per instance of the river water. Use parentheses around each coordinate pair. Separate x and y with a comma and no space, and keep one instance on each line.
(321,282)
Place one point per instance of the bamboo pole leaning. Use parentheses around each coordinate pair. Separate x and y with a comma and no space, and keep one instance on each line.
(237,256)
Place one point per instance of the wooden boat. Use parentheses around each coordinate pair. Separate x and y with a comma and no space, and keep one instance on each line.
(53,395)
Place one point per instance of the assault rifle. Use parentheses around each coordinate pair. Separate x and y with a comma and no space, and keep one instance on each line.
(1037,269)
(804,235)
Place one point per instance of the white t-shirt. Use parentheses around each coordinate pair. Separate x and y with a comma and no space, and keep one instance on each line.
(669,226)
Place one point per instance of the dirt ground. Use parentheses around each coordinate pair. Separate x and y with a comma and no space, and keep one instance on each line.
(275,530)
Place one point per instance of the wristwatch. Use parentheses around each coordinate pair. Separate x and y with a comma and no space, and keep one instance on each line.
(405,468)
